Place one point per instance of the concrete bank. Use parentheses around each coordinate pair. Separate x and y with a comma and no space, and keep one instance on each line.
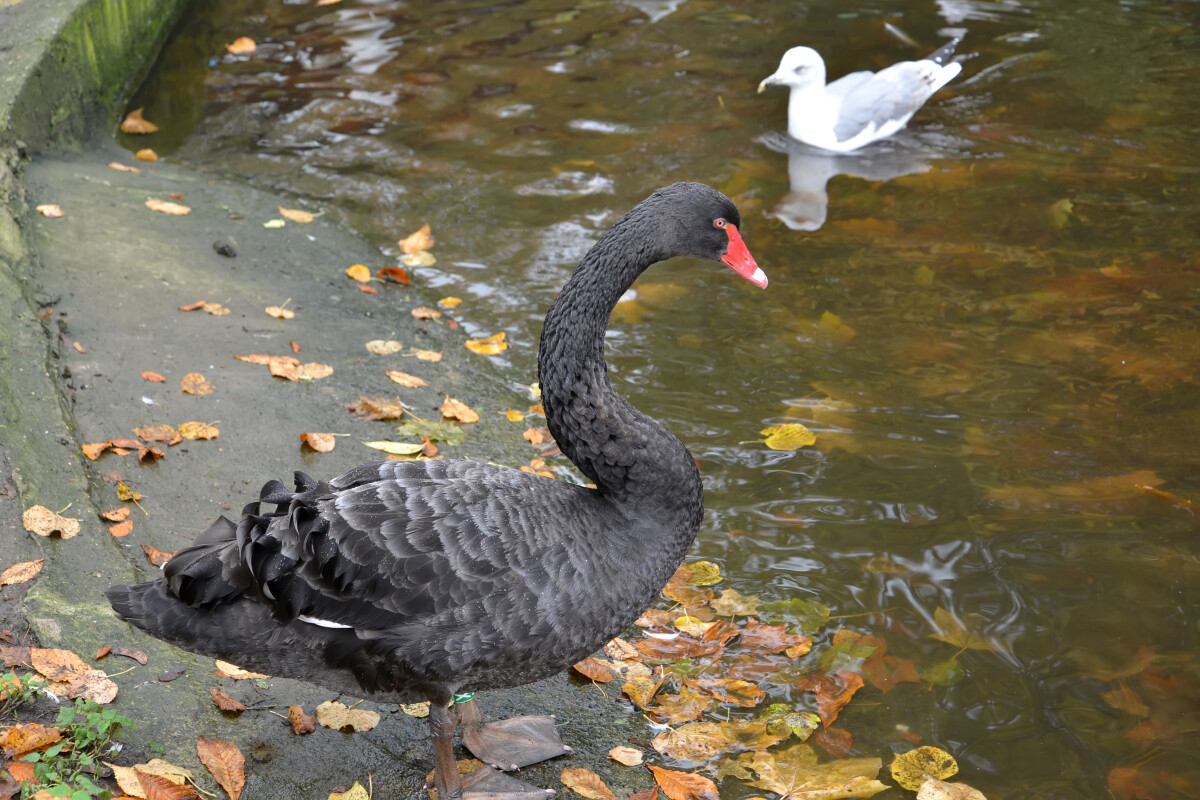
(90,301)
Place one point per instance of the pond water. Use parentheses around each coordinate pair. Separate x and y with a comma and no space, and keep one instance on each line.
(991,322)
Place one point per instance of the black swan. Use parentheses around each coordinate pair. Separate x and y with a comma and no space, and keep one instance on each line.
(408,581)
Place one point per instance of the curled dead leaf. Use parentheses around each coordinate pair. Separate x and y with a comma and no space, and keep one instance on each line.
(158,433)
(19,573)
(227,670)
(119,167)
(225,702)
(394,274)
(196,384)
(134,123)
(279,312)
(456,409)
(425,312)
(296,215)
(44,522)
(404,379)
(50,211)
(417,241)
(376,408)
(194,430)
(320,442)
(338,717)
(302,724)
(487,346)
(157,557)
(153,377)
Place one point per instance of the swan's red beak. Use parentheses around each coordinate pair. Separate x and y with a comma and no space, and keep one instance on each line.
(738,258)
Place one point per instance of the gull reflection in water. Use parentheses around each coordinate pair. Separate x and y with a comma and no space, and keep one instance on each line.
(806,205)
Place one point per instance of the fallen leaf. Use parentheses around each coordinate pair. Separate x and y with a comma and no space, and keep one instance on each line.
(95,450)
(697,573)
(227,670)
(58,666)
(313,371)
(50,211)
(377,408)
(93,685)
(19,573)
(910,769)
(320,442)
(195,430)
(418,710)
(196,306)
(121,528)
(119,167)
(792,436)
(537,435)
(296,215)
(394,274)
(834,741)
(418,241)
(933,789)
(733,603)
(620,650)
(425,312)
(295,346)
(725,690)
(226,763)
(456,409)
(512,415)
(356,792)
(641,689)
(157,557)
(194,383)
(146,154)
(134,123)
(225,702)
(427,355)
(450,302)
(43,522)
(586,783)
(1123,698)
(488,346)
(338,717)
(157,433)
(675,709)
(395,448)
(952,631)
(20,772)
(593,670)
(795,773)
(126,494)
(172,673)
(167,207)
(240,46)
(833,692)
(358,272)
(764,639)
(158,787)
(302,724)
(383,347)
(136,655)
(404,379)
(681,646)
(279,312)
(801,724)
(628,756)
(27,737)
(684,785)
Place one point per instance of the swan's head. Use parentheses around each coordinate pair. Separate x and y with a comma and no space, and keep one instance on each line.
(703,223)
(799,67)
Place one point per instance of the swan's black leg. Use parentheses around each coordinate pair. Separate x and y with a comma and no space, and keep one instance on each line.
(510,743)
(445,772)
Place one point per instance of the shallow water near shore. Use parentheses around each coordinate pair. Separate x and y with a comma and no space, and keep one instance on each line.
(990,322)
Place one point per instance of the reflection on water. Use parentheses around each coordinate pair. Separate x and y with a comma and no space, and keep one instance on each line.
(994,332)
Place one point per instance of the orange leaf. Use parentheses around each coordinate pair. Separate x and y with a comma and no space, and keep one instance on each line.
(19,573)
(487,346)
(194,430)
(427,355)
(297,215)
(674,709)
(835,741)
(295,347)
(119,167)
(537,435)
(27,737)
(456,409)
(586,783)
(157,557)
(94,451)
(684,785)
(153,376)
(157,787)
(225,762)
(513,415)
(196,306)
(225,702)
(117,514)
(368,289)
(20,771)
(592,669)
(241,45)
(321,442)
(394,273)
(146,154)
(833,692)
(158,433)
(134,123)
(738,692)
(301,723)
(167,207)
(359,273)
(425,312)
(416,242)
(762,639)
(195,383)
(121,528)
(279,312)
(59,666)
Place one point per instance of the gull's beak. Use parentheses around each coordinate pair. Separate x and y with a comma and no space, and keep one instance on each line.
(767,81)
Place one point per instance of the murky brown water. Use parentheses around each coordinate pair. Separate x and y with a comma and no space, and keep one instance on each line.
(995,333)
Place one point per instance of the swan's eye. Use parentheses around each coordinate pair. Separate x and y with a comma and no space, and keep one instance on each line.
(718,223)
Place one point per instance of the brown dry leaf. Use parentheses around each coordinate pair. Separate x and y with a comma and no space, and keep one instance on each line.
(158,433)
(226,763)
(321,442)
(683,785)
(146,154)
(726,690)
(134,123)
(593,670)
(225,702)
(119,167)
(196,384)
(833,692)
(27,737)
(674,709)
(358,272)
(313,371)
(296,215)
(394,274)
(158,787)
(19,573)
(157,557)
(284,368)
(933,789)
(279,312)
(682,646)
(795,773)
(425,312)
(763,639)
(121,528)
(488,346)
(92,685)
(427,355)
(688,596)
(58,666)
(383,347)
(337,716)
(302,724)
(952,631)
(193,430)
(216,309)
(50,211)
(456,409)
(620,650)
(95,450)
(240,46)
(19,771)
(586,783)
(136,655)
(834,741)
(167,207)
(43,522)
(377,408)
(627,756)
(733,603)
(1125,699)
(227,670)
(416,242)
(153,377)
(367,289)
(117,514)
(102,652)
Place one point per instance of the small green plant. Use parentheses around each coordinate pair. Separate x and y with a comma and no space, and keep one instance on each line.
(17,691)
(65,769)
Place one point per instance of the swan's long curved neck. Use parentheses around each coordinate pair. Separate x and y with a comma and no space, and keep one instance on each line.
(612,442)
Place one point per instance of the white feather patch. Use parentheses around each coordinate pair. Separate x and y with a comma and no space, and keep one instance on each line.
(324,623)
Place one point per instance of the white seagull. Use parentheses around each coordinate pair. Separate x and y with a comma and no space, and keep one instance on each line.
(861,107)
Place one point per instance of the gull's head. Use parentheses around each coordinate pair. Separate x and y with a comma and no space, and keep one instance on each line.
(799,67)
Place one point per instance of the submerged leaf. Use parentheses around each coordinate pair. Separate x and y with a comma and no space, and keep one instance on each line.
(910,769)
(791,436)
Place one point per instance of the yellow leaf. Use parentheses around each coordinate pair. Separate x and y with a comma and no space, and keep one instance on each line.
(422,259)
(456,409)
(359,273)
(791,436)
(396,448)
(698,573)
(279,312)
(126,494)
(167,207)
(356,792)
(449,302)
(512,415)
(195,383)
(910,769)
(732,603)
(418,710)
(488,346)
(338,717)
(832,327)
(194,430)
